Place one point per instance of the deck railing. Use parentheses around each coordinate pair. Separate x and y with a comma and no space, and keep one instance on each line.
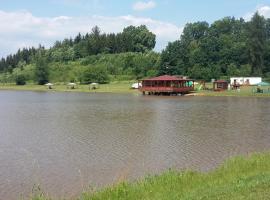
(166,89)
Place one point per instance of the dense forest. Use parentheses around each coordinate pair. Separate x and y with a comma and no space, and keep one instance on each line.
(93,57)
(227,47)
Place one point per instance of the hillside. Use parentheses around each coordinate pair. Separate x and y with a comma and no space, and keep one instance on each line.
(227,47)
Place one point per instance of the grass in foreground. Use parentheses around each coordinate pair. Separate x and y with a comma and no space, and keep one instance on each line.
(239,178)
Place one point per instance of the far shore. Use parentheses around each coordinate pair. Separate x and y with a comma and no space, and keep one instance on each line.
(125,87)
(114,87)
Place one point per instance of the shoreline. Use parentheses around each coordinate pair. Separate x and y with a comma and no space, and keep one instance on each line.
(104,88)
(124,88)
(239,177)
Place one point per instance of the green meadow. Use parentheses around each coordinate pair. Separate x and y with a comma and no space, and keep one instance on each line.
(245,91)
(125,87)
(113,87)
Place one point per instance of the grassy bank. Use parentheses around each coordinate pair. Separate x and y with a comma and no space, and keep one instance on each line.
(246,91)
(124,87)
(239,178)
(114,87)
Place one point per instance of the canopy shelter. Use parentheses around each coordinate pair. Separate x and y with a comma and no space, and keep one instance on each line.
(49,85)
(262,88)
(93,86)
(263,84)
(71,85)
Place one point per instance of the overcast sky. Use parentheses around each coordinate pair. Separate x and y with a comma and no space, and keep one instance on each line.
(25,23)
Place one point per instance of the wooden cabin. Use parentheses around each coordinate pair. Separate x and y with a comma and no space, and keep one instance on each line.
(167,85)
(220,85)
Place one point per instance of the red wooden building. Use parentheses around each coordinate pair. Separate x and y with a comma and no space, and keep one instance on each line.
(220,85)
(167,85)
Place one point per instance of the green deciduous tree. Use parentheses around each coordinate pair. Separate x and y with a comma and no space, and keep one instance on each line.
(42,69)
(256,31)
(20,79)
(174,59)
(138,39)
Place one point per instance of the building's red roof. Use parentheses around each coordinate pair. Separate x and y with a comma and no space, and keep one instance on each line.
(221,81)
(165,78)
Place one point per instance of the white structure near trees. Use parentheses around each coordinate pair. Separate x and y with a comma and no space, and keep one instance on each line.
(245,80)
(136,85)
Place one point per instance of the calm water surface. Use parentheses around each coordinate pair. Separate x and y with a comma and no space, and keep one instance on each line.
(68,142)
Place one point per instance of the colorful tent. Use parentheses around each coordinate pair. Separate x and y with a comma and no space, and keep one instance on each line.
(263,84)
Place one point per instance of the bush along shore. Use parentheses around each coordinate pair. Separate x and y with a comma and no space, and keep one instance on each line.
(239,178)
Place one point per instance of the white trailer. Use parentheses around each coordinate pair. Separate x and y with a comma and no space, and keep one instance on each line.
(245,80)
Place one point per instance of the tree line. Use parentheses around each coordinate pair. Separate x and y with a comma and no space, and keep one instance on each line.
(19,67)
(131,39)
(227,47)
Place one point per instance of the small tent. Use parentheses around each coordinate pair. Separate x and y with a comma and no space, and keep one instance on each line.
(263,84)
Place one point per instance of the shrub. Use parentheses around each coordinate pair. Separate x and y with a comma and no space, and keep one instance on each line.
(95,74)
(20,79)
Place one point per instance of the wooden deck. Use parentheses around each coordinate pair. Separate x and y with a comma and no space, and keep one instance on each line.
(166,89)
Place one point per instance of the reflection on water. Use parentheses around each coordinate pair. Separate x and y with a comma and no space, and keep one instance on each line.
(66,142)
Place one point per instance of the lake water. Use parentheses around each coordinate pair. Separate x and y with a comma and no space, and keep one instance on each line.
(68,142)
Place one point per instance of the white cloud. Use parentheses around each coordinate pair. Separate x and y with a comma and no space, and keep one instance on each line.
(263,10)
(141,6)
(80,3)
(22,29)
